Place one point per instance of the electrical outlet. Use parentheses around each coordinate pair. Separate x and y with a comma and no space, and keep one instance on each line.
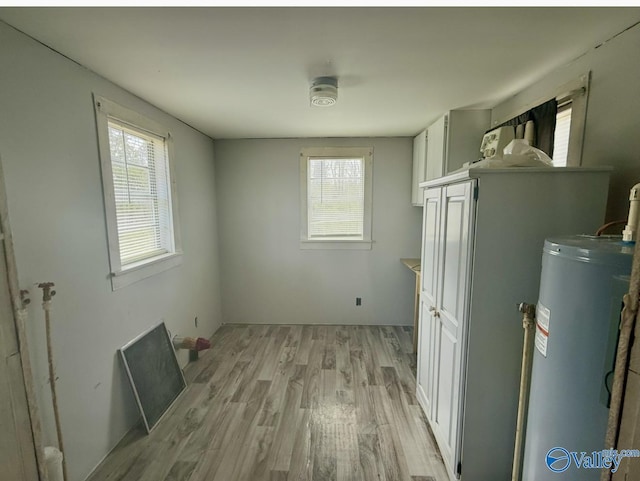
(358,301)
(195,321)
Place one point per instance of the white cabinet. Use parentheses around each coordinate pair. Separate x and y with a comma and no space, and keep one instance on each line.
(419,166)
(447,217)
(437,149)
(483,233)
(454,139)
(445,145)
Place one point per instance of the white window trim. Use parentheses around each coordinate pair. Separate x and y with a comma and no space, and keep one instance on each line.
(124,276)
(361,244)
(577,91)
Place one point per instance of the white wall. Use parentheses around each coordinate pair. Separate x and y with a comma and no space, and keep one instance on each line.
(49,150)
(612,131)
(268,279)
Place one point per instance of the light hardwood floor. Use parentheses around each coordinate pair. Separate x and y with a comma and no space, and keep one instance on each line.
(283,403)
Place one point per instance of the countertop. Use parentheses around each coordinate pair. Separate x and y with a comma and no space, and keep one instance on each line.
(413,264)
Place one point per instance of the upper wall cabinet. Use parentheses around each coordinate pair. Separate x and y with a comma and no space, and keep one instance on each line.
(448,143)
(455,139)
(419,166)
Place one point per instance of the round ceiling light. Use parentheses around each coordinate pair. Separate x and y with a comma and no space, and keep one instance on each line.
(324,92)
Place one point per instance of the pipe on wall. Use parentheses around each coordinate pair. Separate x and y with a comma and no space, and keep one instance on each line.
(528,324)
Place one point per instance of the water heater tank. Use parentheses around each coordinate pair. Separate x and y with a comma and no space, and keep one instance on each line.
(577,319)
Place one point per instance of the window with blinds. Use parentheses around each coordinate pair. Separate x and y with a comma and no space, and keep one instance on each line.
(561,135)
(143,234)
(139,166)
(336,197)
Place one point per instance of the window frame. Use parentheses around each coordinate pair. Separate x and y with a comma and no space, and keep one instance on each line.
(120,275)
(576,91)
(366,153)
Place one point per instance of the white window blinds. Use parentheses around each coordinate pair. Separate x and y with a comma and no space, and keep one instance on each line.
(141,189)
(561,135)
(335,198)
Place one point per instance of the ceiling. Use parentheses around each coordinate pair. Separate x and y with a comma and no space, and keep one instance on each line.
(245,72)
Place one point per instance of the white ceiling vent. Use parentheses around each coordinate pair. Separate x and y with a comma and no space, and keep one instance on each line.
(324,92)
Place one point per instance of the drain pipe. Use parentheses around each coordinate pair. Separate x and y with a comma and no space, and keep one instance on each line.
(528,324)
(47,294)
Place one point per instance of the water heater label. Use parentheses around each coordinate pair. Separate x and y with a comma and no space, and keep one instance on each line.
(542,329)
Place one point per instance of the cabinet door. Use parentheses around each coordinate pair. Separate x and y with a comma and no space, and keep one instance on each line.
(428,289)
(436,148)
(450,317)
(465,131)
(419,164)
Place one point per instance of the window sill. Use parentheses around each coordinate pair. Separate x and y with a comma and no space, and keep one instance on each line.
(142,270)
(332,244)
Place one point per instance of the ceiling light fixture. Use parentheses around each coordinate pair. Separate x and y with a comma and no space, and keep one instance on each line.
(324,92)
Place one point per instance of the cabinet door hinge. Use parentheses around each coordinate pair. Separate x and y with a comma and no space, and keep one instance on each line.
(459,468)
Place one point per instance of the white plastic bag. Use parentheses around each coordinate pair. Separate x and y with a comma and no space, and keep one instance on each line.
(518,153)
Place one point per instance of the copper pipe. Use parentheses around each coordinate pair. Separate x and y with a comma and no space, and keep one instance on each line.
(610,224)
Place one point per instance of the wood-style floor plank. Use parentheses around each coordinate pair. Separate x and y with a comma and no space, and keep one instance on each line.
(301,467)
(283,443)
(347,453)
(290,403)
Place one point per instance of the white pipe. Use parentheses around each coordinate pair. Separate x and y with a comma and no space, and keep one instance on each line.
(47,294)
(528,324)
(53,461)
(629,232)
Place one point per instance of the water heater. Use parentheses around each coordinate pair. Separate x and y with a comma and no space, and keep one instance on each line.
(577,318)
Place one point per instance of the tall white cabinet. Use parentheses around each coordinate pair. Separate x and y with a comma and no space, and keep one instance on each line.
(482,239)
